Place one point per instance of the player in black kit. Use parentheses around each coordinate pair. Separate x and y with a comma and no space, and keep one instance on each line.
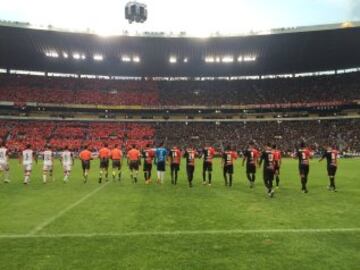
(251,156)
(267,157)
(190,155)
(331,159)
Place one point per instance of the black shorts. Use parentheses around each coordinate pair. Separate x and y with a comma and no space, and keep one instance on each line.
(116,164)
(175,167)
(134,165)
(268,174)
(207,166)
(250,168)
(190,169)
(104,163)
(228,169)
(85,164)
(161,166)
(331,170)
(147,167)
(304,170)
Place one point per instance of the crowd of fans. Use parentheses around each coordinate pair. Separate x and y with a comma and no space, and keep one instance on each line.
(323,90)
(345,134)
(21,89)
(74,134)
(327,89)
(300,91)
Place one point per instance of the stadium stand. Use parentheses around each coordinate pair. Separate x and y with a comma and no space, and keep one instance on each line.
(286,134)
(326,90)
(73,134)
(299,91)
(21,89)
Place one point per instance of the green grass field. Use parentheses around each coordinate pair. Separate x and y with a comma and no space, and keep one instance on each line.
(127,226)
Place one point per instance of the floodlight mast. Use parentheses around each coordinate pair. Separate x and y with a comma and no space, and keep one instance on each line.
(136,12)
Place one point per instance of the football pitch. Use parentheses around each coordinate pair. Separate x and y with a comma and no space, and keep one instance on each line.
(120,225)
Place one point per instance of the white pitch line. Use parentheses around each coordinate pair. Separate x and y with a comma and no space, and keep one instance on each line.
(176,233)
(64,211)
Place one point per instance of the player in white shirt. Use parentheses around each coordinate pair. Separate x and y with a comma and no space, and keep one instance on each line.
(48,163)
(67,161)
(27,158)
(4,164)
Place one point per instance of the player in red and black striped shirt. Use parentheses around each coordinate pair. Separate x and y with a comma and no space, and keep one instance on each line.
(331,155)
(267,157)
(277,162)
(304,155)
(190,155)
(175,159)
(228,159)
(251,156)
(208,154)
(148,155)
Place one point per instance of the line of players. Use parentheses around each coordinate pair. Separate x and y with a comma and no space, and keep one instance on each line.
(270,158)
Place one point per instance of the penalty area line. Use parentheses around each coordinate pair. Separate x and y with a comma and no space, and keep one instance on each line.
(175,233)
(47,222)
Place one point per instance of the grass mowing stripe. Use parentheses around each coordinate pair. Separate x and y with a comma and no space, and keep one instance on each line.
(164,233)
(64,211)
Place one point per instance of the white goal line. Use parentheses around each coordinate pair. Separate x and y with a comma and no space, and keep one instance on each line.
(176,233)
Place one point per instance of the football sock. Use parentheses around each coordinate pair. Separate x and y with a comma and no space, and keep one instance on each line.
(253,177)
(210,177)
(249,177)
(172,177)
(230,178)
(44,178)
(6,174)
(225,178)
(135,176)
(332,182)
(277,180)
(303,183)
(204,176)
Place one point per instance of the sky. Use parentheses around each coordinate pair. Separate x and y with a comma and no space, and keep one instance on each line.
(196,17)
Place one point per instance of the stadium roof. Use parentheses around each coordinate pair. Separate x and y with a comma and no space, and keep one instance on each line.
(65,52)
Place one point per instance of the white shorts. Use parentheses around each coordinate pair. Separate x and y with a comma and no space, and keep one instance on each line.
(4,166)
(67,167)
(47,167)
(27,167)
